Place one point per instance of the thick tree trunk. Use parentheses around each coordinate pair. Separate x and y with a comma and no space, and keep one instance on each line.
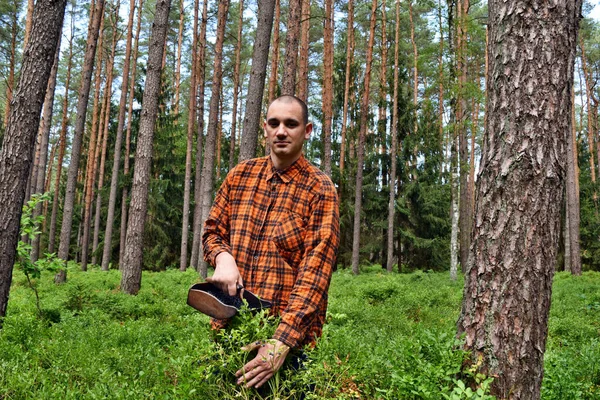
(302,87)
(183,260)
(509,282)
(415,68)
(290,66)
(349,54)
(18,145)
(82,103)
(114,180)
(200,74)
(256,86)
(572,194)
(327,100)
(275,54)
(236,86)
(364,111)
(39,174)
(126,157)
(394,150)
(131,279)
(213,116)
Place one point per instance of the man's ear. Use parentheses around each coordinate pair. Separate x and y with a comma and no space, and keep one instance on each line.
(265,128)
(308,130)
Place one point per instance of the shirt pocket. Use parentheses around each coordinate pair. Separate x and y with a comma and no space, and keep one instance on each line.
(289,232)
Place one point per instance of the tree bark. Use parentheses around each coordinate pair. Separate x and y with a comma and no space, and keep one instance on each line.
(441,83)
(201,72)
(82,102)
(290,66)
(114,179)
(509,282)
(415,69)
(256,86)
(179,47)
(213,116)
(327,101)
(394,150)
(39,174)
(18,144)
(302,87)
(126,157)
(364,111)
(454,206)
(131,278)
(183,261)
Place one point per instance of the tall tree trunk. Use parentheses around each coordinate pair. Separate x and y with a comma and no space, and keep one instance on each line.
(572,193)
(256,86)
(179,47)
(131,279)
(39,174)
(236,85)
(183,261)
(61,147)
(328,29)
(28,21)
(382,117)
(82,102)
(591,116)
(114,179)
(441,83)
(302,88)
(394,150)
(461,126)
(509,282)
(211,132)
(47,189)
(275,54)
(349,56)
(126,157)
(454,206)
(18,145)
(415,68)
(290,67)
(10,81)
(94,148)
(200,74)
(364,111)
(116,37)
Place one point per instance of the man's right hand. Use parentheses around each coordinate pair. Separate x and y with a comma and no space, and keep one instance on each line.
(227,276)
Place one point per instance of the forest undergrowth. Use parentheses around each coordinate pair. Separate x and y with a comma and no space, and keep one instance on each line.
(387,337)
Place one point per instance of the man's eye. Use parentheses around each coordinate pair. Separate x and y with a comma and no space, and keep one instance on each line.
(291,124)
(273,124)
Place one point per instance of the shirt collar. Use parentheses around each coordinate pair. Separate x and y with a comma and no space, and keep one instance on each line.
(290,172)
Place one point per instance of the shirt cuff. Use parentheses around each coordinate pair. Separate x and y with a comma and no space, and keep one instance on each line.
(211,256)
(289,336)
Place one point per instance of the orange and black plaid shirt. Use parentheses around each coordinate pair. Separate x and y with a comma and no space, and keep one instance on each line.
(282,228)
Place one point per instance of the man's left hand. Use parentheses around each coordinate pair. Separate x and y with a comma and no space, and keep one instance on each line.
(270,357)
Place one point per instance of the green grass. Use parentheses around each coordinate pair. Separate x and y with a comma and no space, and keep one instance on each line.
(387,337)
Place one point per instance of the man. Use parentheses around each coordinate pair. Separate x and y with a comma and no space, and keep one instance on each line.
(274,229)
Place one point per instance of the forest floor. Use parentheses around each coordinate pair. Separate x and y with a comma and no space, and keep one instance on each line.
(387,337)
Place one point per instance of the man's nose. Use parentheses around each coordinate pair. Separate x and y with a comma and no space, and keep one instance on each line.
(280,130)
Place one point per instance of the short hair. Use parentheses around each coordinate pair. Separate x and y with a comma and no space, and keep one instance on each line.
(288,98)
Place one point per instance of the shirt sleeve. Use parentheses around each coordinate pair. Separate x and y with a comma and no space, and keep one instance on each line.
(309,294)
(215,239)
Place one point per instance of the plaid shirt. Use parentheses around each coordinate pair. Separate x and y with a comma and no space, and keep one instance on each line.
(282,228)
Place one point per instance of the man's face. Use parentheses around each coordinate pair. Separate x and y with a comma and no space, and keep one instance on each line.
(285,132)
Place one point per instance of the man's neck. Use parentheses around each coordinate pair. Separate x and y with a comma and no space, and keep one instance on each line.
(282,165)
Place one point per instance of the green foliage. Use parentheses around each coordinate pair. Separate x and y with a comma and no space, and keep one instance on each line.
(387,337)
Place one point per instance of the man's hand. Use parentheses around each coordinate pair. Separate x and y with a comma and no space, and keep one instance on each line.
(270,357)
(227,276)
